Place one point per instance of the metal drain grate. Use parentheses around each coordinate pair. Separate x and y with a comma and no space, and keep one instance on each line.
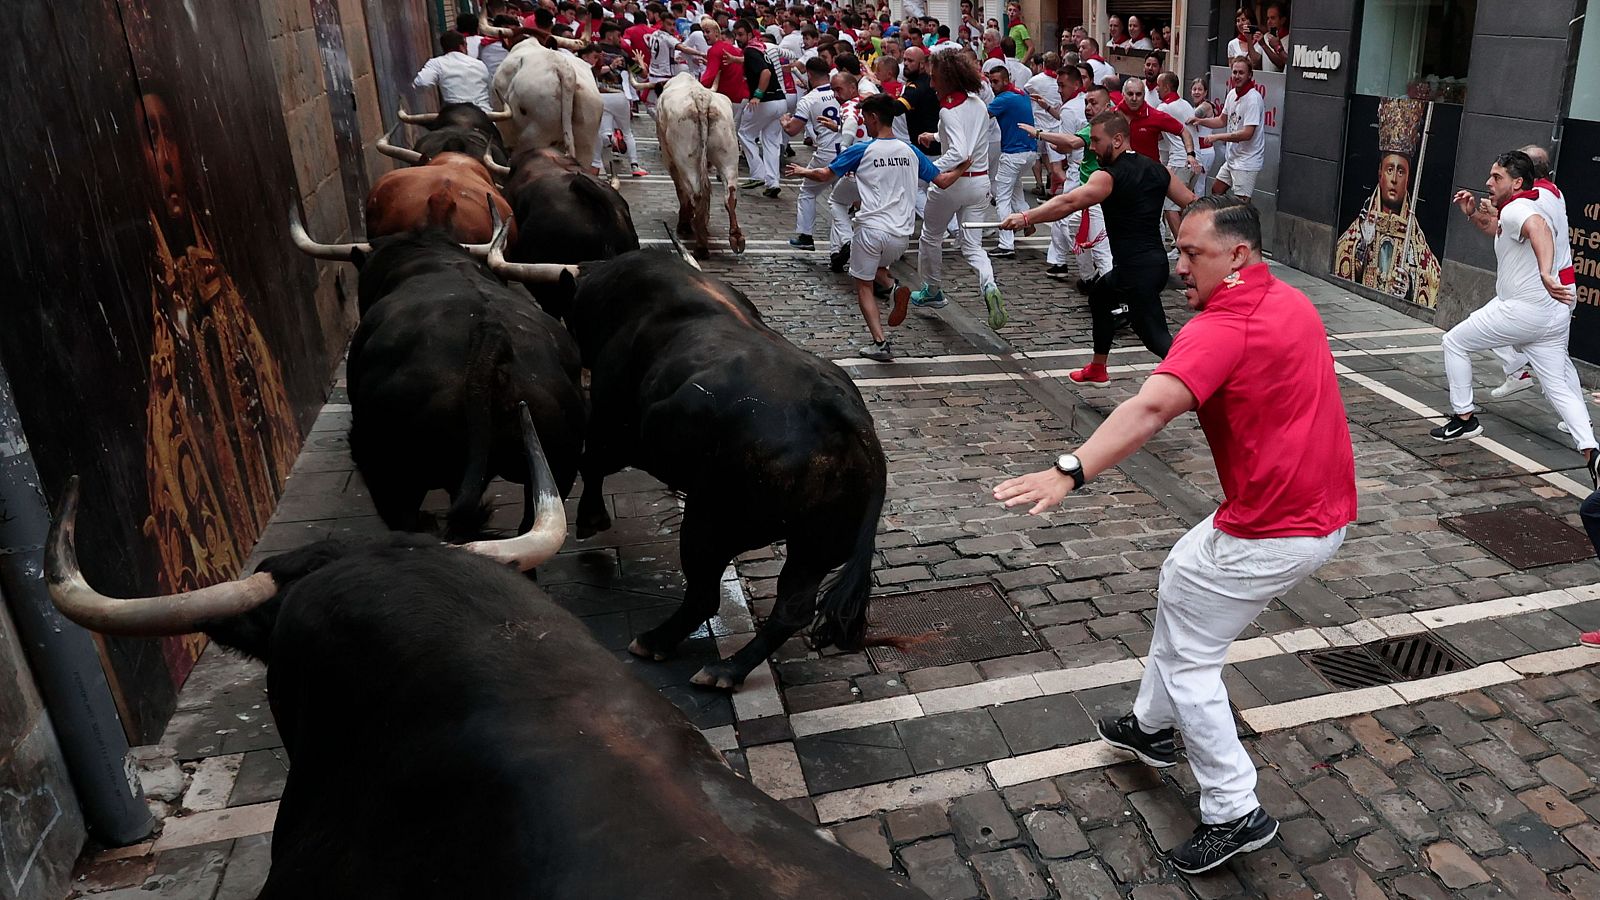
(1524,537)
(1384,662)
(948,625)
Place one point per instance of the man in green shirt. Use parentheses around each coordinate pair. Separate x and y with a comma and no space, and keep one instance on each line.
(1082,234)
(1019,32)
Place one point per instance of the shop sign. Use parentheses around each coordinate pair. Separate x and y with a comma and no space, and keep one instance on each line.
(1316,64)
(1576,174)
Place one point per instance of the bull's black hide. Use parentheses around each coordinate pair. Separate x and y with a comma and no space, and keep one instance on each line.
(564,215)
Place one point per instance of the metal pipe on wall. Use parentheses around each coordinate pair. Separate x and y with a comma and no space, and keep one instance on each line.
(62,656)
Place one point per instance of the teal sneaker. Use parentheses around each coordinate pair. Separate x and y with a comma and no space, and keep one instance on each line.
(997,306)
(928,298)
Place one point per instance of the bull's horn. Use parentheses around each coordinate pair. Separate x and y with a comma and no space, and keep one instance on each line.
(499,115)
(304,243)
(404,154)
(549,530)
(139,616)
(494,31)
(495,168)
(417,118)
(533,273)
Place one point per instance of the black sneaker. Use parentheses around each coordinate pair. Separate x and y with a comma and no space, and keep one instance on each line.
(839,258)
(878,351)
(770,193)
(1213,845)
(1084,286)
(1157,750)
(1593,465)
(1002,253)
(1455,428)
(1059,271)
(803,242)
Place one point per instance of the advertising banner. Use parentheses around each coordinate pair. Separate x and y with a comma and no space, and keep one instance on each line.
(1265,198)
(1395,200)
(1578,175)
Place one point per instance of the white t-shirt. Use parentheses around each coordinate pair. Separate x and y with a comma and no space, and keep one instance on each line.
(1172,144)
(887,172)
(816,105)
(1141,44)
(1073,120)
(663,45)
(964,135)
(1516,276)
(1251,155)
(1020,73)
(1266,61)
(1047,88)
(986,94)
(1554,208)
(793,45)
(945,47)
(1236,49)
(1102,70)
(460,78)
(697,40)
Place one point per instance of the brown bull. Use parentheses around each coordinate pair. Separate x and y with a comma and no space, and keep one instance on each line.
(452,192)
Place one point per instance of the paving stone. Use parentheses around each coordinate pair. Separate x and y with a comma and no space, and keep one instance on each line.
(1083,879)
(1092,798)
(1477,705)
(828,668)
(1010,875)
(1490,799)
(1381,852)
(1039,723)
(982,821)
(876,687)
(262,776)
(1518,703)
(1453,721)
(951,740)
(917,822)
(1344,815)
(1112,700)
(1503,764)
(937,677)
(1134,776)
(1515,735)
(1586,840)
(1364,776)
(1158,892)
(806,697)
(1283,678)
(1055,833)
(1550,805)
(1473,831)
(851,758)
(1483,642)
(1305,839)
(1294,762)
(1343,879)
(1580,881)
(1032,795)
(1400,720)
(1277,797)
(1579,712)
(1377,740)
(865,838)
(937,870)
(1419,887)
(1325,740)
(1408,817)
(1522,879)
(1453,866)
(248,864)
(1169,819)
(1541,843)
(1421,784)
(1125,853)
(1271,874)
(1441,755)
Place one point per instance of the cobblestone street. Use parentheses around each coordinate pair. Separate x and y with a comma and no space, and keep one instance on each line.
(984,778)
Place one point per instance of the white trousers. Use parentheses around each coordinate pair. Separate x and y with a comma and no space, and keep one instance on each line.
(1083,236)
(1009,196)
(805,208)
(994,167)
(1212,586)
(966,200)
(845,195)
(1535,332)
(763,123)
(615,114)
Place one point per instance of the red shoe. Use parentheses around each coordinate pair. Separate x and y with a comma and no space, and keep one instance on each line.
(617,143)
(1093,372)
(1590,639)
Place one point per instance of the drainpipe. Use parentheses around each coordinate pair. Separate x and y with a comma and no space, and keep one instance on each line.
(62,655)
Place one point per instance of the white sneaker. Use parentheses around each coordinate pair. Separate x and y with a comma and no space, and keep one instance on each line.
(1513,384)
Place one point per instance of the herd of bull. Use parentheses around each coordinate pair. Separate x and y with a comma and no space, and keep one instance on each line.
(405,664)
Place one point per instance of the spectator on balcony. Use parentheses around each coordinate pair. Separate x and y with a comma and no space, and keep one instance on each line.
(1247,38)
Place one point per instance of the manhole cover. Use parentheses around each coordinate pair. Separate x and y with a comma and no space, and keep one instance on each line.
(1384,662)
(1523,537)
(944,626)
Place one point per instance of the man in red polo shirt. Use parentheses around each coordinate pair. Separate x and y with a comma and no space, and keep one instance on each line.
(1147,124)
(1255,365)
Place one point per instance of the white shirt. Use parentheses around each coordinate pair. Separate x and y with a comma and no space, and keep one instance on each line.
(986,94)
(1020,73)
(1237,48)
(1046,88)
(866,88)
(793,45)
(816,105)
(1554,208)
(1172,144)
(964,135)
(1101,69)
(774,33)
(887,172)
(945,47)
(1073,120)
(697,40)
(663,46)
(1251,155)
(1516,276)
(459,77)
(492,54)
(1266,61)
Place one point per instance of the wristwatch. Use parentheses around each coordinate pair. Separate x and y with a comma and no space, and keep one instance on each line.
(1191,153)
(1068,465)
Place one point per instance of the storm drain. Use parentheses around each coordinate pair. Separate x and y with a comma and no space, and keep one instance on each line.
(1384,662)
(944,626)
(1524,537)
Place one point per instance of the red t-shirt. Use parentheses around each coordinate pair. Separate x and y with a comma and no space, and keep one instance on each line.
(1145,128)
(1257,361)
(728,59)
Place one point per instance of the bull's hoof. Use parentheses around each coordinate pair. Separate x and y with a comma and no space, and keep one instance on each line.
(736,241)
(702,253)
(637,648)
(588,526)
(685,230)
(721,676)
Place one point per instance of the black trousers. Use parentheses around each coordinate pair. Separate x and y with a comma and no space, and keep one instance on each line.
(1137,286)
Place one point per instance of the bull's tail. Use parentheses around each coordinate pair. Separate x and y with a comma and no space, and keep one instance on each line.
(488,353)
(569,87)
(841,618)
(703,157)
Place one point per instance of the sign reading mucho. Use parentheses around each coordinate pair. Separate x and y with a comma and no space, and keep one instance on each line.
(1315,64)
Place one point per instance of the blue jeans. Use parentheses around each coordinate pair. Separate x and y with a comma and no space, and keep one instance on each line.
(1590,511)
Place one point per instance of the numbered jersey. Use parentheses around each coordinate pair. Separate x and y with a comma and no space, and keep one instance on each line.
(815,107)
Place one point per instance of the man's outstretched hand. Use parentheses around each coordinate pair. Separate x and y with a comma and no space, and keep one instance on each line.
(1043,489)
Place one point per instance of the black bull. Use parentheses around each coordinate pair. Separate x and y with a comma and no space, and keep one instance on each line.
(564,215)
(444,354)
(766,441)
(403,670)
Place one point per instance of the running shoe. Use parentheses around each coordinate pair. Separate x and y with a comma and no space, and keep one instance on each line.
(878,351)
(749,183)
(770,193)
(839,258)
(1059,271)
(1093,374)
(1590,639)
(803,242)
(1513,384)
(1213,845)
(1456,428)
(1002,253)
(640,171)
(1159,750)
(928,298)
(997,306)
(902,299)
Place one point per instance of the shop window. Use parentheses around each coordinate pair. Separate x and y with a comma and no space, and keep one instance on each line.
(1416,48)
(1586,83)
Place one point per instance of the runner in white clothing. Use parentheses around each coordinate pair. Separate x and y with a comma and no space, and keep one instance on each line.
(1244,115)
(887,171)
(1530,311)
(817,106)
(963,133)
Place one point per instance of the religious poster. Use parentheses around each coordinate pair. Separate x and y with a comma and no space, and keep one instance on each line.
(1271,87)
(1578,176)
(1395,200)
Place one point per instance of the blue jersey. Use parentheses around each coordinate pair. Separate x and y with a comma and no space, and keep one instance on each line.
(1010,109)
(887,171)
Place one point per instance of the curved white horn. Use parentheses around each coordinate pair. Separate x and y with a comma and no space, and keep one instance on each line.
(404,154)
(137,616)
(304,243)
(533,273)
(416,118)
(495,168)
(549,530)
(499,115)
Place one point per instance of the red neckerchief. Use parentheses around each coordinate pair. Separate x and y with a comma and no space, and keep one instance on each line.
(1125,109)
(892,88)
(1548,185)
(1245,88)
(1116,98)
(996,53)
(1050,73)
(1168,98)
(1095,58)
(951,101)
(1519,195)
(1013,89)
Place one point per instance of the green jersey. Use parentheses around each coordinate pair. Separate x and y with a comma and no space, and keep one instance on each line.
(1091,163)
(1020,36)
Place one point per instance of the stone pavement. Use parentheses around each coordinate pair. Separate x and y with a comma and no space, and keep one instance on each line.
(981,778)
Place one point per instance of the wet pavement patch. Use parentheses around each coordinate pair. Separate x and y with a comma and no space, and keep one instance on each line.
(1524,537)
(939,627)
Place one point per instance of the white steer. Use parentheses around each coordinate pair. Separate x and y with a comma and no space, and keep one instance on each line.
(552,98)
(696,131)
